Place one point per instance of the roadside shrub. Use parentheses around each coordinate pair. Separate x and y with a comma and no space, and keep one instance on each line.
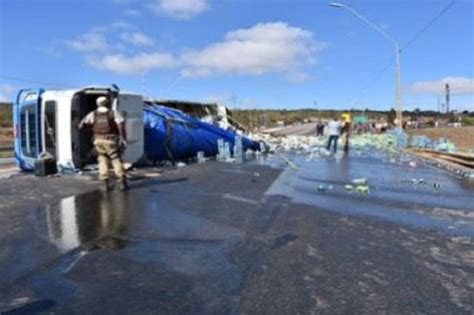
(468,121)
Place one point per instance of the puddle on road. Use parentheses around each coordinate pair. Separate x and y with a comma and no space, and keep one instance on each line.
(35,307)
(448,208)
(75,226)
(142,229)
(91,220)
(112,221)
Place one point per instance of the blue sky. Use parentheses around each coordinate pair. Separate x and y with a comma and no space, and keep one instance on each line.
(243,53)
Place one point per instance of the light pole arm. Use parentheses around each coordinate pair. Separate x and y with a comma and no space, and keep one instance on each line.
(398,96)
(372,25)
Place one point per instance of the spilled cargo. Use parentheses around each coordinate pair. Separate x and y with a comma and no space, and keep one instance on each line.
(172,135)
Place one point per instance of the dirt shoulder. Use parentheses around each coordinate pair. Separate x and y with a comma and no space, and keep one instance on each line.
(463,137)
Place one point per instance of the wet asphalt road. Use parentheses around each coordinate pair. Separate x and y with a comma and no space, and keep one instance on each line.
(307,129)
(248,239)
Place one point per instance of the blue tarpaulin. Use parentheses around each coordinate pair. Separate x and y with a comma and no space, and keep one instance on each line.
(172,135)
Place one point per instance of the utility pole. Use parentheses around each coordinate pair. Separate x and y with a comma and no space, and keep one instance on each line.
(446,91)
(398,94)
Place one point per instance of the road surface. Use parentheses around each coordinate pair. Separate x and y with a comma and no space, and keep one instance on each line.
(251,238)
(307,129)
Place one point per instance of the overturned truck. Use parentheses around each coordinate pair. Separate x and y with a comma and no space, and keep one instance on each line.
(171,134)
(45,123)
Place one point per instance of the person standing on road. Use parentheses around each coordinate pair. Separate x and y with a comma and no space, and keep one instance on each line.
(334,130)
(319,128)
(110,138)
(345,134)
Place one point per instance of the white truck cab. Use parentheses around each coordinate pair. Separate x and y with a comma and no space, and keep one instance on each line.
(46,121)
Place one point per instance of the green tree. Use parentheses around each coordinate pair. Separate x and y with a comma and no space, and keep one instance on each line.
(392,115)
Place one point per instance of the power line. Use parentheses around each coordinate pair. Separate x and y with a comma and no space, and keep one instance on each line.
(36,82)
(370,83)
(407,44)
(427,26)
(377,76)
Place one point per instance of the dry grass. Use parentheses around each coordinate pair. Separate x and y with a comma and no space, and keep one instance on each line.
(463,137)
(6,139)
(6,154)
(6,136)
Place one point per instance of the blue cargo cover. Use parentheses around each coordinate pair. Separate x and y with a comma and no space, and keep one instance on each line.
(172,135)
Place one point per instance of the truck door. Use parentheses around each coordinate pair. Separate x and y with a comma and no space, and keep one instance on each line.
(131,107)
(49,127)
(26,116)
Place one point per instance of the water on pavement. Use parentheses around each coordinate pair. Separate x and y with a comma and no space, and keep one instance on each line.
(155,245)
(398,192)
(141,227)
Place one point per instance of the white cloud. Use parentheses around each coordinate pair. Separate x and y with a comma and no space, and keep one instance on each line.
(89,42)
(131,12)
(457,85)
(180,9)
(137,39)
(137,64)
(103,48)
(263,48)
(6,92)
(109,38)
(118,25)
(275,48)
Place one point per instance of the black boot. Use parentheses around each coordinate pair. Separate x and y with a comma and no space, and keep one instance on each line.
(107,186)
(124,184)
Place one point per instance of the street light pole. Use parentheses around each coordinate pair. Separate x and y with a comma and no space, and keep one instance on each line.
(398,96)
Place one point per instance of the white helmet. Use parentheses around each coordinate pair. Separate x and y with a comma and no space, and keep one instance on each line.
(102,101)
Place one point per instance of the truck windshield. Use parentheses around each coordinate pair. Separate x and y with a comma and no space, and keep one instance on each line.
(28,130)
